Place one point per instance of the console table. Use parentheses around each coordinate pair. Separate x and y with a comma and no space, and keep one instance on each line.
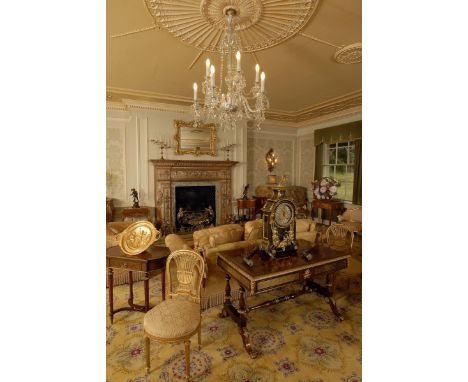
(329,205)
(151,262)
(269,274)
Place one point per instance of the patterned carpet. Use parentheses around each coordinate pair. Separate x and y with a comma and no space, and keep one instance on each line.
(300,340)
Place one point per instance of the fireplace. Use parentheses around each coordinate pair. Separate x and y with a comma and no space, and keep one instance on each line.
(170,174)
(195,207)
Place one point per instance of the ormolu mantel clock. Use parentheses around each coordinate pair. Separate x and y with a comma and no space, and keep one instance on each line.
(279,223)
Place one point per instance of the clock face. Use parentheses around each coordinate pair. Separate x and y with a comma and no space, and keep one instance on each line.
(283,215)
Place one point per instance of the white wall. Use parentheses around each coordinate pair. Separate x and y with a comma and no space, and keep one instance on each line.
(132,125)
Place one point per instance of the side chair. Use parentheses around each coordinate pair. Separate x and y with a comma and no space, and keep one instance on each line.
(340,237)
(177,318)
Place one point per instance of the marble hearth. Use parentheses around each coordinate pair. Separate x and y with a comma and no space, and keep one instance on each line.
(168,174)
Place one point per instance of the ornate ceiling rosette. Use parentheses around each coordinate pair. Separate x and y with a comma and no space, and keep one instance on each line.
(349,54)
(259,24)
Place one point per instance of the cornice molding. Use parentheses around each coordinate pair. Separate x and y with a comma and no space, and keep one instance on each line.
(332,106)
(349,104)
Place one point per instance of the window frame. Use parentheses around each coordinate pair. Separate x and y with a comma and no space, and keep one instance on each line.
(328,165)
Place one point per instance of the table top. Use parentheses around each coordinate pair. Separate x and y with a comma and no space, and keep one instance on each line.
(247,202)
(329,202)
(152,253)
(265,267)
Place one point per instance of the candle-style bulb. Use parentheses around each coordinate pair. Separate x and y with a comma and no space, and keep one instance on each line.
(207,65)
(238,61)
(257,72)
(195,89)
(262,84)
(212,71)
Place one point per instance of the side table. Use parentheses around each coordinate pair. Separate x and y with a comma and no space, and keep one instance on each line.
(329,205)
(151,262)
(248,205)
(136,214)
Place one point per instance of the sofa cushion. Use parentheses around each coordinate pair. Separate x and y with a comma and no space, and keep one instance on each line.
(201,238)
(225,236)
(304,225)
(175,242)
(253,230)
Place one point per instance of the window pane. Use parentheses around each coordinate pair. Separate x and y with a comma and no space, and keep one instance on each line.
(341,173)
(342,155)
(332,154)
(350,173)
(343,144)
(351,154)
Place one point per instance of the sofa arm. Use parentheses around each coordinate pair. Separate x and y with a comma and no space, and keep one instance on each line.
(175,242)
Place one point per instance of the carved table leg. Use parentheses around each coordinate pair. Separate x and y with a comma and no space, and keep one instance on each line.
(146,285)
(331,300)
(110,280)
(227,298)
(130,285)
(242,323)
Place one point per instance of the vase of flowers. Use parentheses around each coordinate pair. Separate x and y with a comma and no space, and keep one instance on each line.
(325,188)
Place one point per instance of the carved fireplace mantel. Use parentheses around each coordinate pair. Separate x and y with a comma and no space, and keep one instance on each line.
(169,172)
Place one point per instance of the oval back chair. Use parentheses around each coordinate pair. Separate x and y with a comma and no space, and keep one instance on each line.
(340,237)
(177,318)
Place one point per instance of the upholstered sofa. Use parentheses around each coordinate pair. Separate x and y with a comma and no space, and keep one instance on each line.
(233,236)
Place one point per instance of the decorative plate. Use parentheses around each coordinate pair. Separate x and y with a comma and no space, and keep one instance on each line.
(137,237)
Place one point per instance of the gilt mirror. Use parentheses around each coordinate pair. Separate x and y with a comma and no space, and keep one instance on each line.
(195,138)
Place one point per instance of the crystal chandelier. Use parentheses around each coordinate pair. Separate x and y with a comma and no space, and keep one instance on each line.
(229,103)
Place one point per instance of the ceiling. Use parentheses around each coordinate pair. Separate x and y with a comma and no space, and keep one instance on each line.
(303,79)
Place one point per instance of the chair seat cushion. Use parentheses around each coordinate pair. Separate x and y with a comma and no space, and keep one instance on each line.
(173,318)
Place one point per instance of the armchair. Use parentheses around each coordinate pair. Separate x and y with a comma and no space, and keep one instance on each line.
(352,218)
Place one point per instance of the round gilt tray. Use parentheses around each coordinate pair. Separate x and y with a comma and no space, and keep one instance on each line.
(138,237)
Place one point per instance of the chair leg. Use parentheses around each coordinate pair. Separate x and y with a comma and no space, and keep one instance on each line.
(147,354)
(187,360)
(199,337)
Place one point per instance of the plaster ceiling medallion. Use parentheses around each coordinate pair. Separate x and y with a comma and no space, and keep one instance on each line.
(259,25)
(349,54)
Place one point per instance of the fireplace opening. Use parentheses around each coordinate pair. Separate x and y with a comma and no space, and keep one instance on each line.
(195,207)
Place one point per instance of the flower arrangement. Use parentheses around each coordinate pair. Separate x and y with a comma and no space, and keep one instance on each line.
(325,188)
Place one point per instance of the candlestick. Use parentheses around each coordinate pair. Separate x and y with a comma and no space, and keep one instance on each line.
(163,143)
(207,64)
(238,61)
(195,88)
(257,72)
(262,84)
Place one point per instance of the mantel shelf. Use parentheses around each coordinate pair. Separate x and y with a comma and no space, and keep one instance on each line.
(193,163)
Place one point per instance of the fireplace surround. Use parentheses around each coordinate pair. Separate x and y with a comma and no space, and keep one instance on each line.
(169,174)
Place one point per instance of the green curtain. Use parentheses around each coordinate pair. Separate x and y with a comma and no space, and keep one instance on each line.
(341,133)
(357,186)
(318,161)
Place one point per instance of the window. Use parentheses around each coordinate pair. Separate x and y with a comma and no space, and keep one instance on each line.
(339,164)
